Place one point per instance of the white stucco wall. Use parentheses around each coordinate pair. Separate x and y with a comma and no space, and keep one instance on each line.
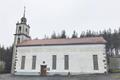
(80,58)
(23,29)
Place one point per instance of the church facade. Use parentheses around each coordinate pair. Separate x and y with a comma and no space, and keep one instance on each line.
(56,56)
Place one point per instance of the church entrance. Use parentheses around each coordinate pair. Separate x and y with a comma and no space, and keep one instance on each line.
(43,70)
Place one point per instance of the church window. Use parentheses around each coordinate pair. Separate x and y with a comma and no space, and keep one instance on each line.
(23,62)
(18,41)
(43,62)
(26,30)
(95,62)
(19,29)
(66,62)
(54,62)
(22,20)
(33,62)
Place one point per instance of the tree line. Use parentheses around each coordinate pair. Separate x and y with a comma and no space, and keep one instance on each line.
(112,38)
(6,57)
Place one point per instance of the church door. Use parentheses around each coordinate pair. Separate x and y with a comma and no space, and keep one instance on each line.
(43,70)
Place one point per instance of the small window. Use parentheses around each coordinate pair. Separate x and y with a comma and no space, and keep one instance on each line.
(66,62)
(19,31)
(95,62)
(26,30)
(22,20)
(104,60)
(18,41)
(23,62)
(53,61)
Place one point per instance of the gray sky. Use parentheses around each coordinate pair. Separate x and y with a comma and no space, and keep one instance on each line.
(46,16)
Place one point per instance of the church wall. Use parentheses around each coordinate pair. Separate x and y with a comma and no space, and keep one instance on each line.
(80,59)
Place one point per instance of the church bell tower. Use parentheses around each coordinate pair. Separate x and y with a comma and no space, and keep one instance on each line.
(22,30)
(21,34)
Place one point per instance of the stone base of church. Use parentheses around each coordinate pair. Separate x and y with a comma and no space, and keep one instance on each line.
(53,73)
(27,73)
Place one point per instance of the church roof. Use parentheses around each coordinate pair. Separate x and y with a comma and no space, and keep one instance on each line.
(72,41)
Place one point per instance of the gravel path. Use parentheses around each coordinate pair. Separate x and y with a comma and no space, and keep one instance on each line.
(115,76)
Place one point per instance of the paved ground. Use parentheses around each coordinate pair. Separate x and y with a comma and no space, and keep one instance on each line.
(115,76)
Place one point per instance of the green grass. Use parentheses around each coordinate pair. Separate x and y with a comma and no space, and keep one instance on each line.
(115,70)
(1,68)
(116,76)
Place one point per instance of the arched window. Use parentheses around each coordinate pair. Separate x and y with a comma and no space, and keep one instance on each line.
(18,41)
(19,30)
(26,30)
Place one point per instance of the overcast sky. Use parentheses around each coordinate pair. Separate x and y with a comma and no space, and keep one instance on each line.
(46,16)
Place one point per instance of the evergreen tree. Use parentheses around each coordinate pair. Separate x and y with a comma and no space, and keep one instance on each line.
(82,34)
(53,36)
(74,35)
(6,56)
(2,51)
(63,34)
(8,59)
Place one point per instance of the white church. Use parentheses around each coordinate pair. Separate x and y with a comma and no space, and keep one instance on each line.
(56,56)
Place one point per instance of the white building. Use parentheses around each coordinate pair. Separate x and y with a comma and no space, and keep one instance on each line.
(57,56)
